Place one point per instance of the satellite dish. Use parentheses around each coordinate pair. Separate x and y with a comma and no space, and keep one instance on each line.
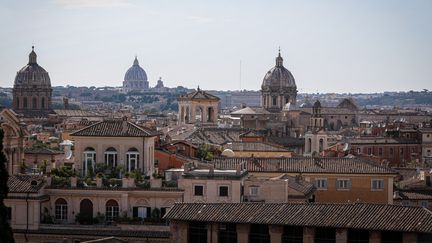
(346,147)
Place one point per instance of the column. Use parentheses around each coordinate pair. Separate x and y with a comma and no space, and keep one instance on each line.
(275,232)
(341,235)
(374,237)
(212,232)
(243,232)
(192,114)
(308,235)
(409,237)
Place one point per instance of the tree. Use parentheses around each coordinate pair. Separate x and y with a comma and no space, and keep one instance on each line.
(5,229)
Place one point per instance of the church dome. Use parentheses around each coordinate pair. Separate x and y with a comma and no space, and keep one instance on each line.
(32,75)
(135,73)
(278,77)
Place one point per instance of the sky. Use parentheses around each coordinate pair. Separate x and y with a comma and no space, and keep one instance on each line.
(329,46)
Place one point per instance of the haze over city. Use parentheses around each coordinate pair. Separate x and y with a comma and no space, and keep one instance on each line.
(329,46)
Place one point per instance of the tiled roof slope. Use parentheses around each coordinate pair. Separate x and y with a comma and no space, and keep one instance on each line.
(414,195)
(299,185)
(353,216)
(253,146)
(23,183)
(114,128)
(304,165)
(41,151)
(198,94)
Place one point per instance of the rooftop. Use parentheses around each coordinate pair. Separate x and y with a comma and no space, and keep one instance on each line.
(305,165)
(351,216)
(114,128)
(25,183)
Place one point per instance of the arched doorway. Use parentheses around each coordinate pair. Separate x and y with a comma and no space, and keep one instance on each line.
(86,212)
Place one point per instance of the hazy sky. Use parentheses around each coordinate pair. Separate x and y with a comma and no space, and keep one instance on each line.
(329,46)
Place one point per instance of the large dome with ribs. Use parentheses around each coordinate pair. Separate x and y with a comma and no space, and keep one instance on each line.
(32,75)
(278,78)
(135,73)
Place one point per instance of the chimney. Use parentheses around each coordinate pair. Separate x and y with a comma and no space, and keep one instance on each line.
(124,124)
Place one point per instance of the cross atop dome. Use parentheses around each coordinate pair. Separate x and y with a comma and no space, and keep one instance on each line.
(32,56)
(279,60)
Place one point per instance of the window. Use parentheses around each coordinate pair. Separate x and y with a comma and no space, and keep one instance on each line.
(274,101)
(321,183)
(34,103)
(198,190)
(401,151)
(369,151)
(380,151)
(223,191)
(391,151)
(111,157)
(343,184)
(132,158)
(61,209)
(424,204)
(89,159)
(377,184)
(112,210)
(141,212)
(253,190)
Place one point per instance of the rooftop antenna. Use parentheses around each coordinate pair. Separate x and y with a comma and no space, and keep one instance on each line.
(240,75)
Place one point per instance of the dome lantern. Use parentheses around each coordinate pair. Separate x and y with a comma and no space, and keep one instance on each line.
(32,57)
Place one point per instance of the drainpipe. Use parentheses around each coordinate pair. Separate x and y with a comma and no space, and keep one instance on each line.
(27,218)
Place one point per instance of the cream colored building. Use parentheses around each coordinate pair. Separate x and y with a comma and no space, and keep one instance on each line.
(212,185)
(114,143)
(198,107)
(40,211)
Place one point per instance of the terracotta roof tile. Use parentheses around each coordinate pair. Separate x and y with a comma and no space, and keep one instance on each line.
(25,183)
(353,216)
(304,165)
(198,94)
(114,128)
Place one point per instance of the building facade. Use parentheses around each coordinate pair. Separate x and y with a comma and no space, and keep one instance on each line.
(198,107)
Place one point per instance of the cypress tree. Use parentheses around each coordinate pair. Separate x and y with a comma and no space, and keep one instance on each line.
(6,234)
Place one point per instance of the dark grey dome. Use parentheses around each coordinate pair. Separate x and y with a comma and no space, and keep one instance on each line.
(135,73)
(32,75)
(278,77)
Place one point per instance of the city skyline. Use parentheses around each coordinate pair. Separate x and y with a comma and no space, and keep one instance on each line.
(333,47)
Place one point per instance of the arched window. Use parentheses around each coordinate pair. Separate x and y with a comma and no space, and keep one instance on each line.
(17,102)
(34,103)
(89,159)
(132,159)
(112,210)
(274,101)
(309,147)
(43,103)
(25,102)
(61,209)
(111,157)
